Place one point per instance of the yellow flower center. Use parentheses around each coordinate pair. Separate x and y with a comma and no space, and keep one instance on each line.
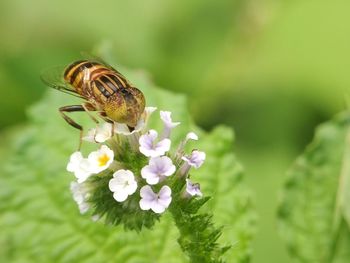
(102,160)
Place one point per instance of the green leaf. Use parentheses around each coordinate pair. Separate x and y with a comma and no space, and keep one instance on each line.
(314,212)
(41,223)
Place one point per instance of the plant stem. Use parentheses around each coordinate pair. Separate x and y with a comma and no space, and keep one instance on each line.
(198,235)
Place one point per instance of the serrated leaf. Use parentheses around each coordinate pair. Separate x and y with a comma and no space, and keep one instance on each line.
(314,212)
(41,223)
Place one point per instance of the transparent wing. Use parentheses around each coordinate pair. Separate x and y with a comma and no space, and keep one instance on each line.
(97,59)
(53,77)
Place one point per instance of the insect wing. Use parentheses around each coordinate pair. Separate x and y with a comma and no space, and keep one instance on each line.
(53,77)
(97,59)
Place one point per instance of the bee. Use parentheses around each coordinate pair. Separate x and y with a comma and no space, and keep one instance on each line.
(103,90)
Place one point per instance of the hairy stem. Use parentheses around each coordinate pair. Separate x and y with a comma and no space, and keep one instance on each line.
(198,235)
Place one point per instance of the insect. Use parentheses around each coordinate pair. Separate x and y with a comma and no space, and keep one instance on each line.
(102,88)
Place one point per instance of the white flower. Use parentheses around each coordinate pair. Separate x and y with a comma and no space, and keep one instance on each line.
(122,185)
(90,136)
(158,168)
(94,218)
(193,189)
(104,132)
(150,148)
(101,134)
(122,128)
(191,136)
(101,159)
(80,194)
(157,202)
(168,123)
(196,158)
(79,166)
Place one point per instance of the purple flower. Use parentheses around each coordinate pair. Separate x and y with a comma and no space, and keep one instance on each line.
(158,168)
(181,148)
(193,189)
(196,158)
(168,123)
(150,148)
(156,202)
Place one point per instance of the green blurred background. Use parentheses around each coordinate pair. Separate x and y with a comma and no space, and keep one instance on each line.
(271,69)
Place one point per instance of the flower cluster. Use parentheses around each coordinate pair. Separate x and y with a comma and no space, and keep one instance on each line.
(133,168)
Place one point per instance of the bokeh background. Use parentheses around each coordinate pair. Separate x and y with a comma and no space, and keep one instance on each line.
(271,69)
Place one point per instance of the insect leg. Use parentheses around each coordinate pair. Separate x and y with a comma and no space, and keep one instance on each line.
(70,121)
(88,107)
(71,108)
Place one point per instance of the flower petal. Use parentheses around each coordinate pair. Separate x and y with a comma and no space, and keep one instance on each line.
(83,171)
(165,202)
(131,188)
(120,196)
(193,189)
(115,185)
(147,193)
(191,136)
(148,198)
(163,146)
(152,180)
(147,171)
(90,136)
(158,207)
(164,192)
(196,158)
(101,159)
(74,161)
(122,184)
(167,120)
(170,170)
(104,132)
(145,204)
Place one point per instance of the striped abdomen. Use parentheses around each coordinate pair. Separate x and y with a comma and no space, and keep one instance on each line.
(94,79)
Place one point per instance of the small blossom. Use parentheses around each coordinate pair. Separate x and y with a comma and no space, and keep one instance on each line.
(104,132)
(95,218)
(191,136)
(196,158)
(122,185)
(79,166)
(156,202)
(150,148)
(193,189)
(144,118)
(158,168)
(101,134)
(122,128)
(80,194)
(101,159)
(90,136)
(168,123)
(181,148)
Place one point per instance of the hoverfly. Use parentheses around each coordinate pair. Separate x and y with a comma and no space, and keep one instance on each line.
(103,90)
